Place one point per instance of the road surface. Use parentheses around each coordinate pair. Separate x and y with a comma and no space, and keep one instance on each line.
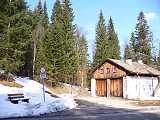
(91,111)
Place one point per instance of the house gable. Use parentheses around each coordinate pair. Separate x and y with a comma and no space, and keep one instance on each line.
(108,70)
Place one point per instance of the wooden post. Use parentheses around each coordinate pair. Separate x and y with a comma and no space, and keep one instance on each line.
(108,87)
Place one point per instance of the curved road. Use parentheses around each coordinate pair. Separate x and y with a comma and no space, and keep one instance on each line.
(91,111)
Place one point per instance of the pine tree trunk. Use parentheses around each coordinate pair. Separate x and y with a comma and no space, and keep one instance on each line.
(34,59)
(82,79)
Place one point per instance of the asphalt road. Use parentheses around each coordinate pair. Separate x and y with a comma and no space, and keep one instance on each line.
(91,111)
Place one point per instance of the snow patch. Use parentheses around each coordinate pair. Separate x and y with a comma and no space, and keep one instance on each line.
(36,105)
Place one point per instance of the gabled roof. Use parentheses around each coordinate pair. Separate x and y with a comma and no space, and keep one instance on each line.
(133,67)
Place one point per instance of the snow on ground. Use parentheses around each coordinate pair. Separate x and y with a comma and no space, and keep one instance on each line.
(73,86)
(36,105)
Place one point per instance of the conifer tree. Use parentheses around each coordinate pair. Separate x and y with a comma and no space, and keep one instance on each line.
(4,24)
(102,45)
(42,24)
(143,38)
(133,43)
(37,35)
(131,48)
(127,52)
(45,21)
(4,12)
(18,36)
(54,45)
(69,41)
(82,59)
(39,9)
(114,49)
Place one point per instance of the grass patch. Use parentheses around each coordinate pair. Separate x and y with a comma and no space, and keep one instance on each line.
(5,77)
(148,103)
(11,84)
(60,89)
(63,89)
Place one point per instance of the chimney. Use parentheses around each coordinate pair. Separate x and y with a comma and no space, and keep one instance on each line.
(140,61)
(129,61)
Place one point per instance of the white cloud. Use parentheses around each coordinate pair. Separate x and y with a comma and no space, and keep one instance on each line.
(150,16)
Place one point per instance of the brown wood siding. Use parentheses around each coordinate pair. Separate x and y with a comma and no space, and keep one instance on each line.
(113,87)
(108,70)
(101,87)
(116,87)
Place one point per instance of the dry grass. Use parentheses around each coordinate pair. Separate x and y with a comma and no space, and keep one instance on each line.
(5,77)
(62,90)
(11,84)
(69,90)
(149,102)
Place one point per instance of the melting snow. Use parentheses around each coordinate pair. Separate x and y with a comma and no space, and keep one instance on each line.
(36,105)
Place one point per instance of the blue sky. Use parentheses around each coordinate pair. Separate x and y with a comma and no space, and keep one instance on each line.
(123,12)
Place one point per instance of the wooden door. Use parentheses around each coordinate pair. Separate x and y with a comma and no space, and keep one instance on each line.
(116,88)
(101,87)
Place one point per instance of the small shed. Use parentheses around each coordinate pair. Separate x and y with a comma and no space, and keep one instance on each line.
(127,79)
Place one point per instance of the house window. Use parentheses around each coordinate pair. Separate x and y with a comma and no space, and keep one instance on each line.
(107,70)
(101,70)
(114,69)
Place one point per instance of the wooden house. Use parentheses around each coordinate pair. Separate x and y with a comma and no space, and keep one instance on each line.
(132,80)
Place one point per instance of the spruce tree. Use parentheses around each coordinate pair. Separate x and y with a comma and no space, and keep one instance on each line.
(4,24)
(42,24)
(102,45)
(82,59)
(127,52)
(133,47)
(143,38)
(46,19)
(114,49)
(4,13)
(69,41)
(39,9)
(133,43)
(18,36)
(54,45)
(37,35)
